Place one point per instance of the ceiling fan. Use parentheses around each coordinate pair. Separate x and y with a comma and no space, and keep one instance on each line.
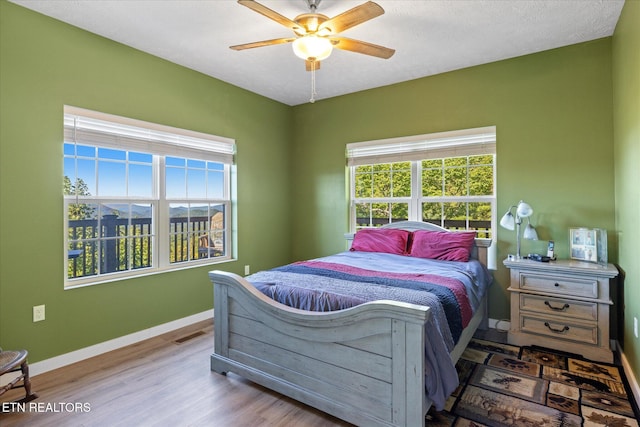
(315,35)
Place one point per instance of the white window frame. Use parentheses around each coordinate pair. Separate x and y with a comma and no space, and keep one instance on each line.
(92,128)
(414,149)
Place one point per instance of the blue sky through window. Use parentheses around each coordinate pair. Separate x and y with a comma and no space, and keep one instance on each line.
(109,172)
(119,173)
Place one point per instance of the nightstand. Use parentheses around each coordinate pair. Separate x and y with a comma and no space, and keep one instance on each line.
(562,305)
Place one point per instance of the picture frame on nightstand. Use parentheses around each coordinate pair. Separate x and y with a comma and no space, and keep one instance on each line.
(588,244)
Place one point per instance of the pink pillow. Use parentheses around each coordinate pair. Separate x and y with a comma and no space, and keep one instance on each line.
(442,245)
(387,240)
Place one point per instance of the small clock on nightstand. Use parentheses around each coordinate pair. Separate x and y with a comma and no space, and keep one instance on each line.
(561,304)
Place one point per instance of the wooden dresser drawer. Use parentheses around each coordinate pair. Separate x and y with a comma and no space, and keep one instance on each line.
(559,307)
(562,304)
(559,328)
(564,285)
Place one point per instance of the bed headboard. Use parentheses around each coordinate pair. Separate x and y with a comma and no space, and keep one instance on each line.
(480,250)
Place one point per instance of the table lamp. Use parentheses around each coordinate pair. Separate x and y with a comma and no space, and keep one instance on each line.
(508,221)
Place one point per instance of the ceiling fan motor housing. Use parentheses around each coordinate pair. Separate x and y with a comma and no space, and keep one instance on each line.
(310,23)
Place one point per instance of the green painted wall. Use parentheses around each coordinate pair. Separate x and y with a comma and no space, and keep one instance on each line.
(553,112)
(45,64)
(626,130)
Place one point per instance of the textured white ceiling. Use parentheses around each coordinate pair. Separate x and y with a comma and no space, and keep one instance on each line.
(429,36)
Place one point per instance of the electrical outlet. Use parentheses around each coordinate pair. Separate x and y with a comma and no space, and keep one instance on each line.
(38,313)
(247,270)
(635,326)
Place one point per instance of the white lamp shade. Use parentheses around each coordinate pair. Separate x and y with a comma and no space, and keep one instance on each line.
(312,48)
(508,221)
(530,233)
(524,210)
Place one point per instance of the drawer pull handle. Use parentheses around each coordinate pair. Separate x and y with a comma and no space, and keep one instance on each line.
(557,331)
(557,285)
(563,308)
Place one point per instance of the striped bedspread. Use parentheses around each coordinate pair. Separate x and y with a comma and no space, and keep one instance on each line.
(451,289)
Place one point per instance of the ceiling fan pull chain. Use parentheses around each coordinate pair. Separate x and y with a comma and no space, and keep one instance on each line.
(313,82)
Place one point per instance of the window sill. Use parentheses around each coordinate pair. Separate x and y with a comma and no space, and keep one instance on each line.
(119,277)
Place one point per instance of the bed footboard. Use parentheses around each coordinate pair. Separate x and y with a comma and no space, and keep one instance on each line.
(364,365)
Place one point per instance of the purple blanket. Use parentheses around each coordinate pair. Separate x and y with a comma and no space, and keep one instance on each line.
(450,292)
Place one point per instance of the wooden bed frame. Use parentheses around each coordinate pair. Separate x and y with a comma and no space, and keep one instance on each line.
(364,364)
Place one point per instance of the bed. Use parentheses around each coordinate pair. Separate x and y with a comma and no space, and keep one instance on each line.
(362,360)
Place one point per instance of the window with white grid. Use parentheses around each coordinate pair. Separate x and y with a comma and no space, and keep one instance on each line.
(446,179)
(142,198)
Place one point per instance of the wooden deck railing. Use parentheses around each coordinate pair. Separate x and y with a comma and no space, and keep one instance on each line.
(481,227)
(120,236)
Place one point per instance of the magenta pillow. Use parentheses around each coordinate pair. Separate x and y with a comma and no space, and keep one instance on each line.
(385,240)
(442,245)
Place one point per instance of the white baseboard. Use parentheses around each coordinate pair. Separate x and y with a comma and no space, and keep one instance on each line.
(116,343)
(631,376)
(499,324)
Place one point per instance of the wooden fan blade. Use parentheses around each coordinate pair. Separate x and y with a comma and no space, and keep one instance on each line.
(362,47)
(262,43)
(271,14)
(310,66)
(351,18)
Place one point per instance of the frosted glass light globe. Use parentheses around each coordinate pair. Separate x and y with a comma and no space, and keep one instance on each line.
(312,48)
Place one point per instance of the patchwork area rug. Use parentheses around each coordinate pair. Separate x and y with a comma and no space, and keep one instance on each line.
(503,386)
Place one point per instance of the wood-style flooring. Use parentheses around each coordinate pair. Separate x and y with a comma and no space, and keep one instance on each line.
(163,381)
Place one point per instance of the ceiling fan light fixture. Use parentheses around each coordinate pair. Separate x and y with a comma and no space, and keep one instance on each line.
(312,48)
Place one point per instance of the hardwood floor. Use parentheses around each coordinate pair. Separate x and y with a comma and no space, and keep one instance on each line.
(157,382)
